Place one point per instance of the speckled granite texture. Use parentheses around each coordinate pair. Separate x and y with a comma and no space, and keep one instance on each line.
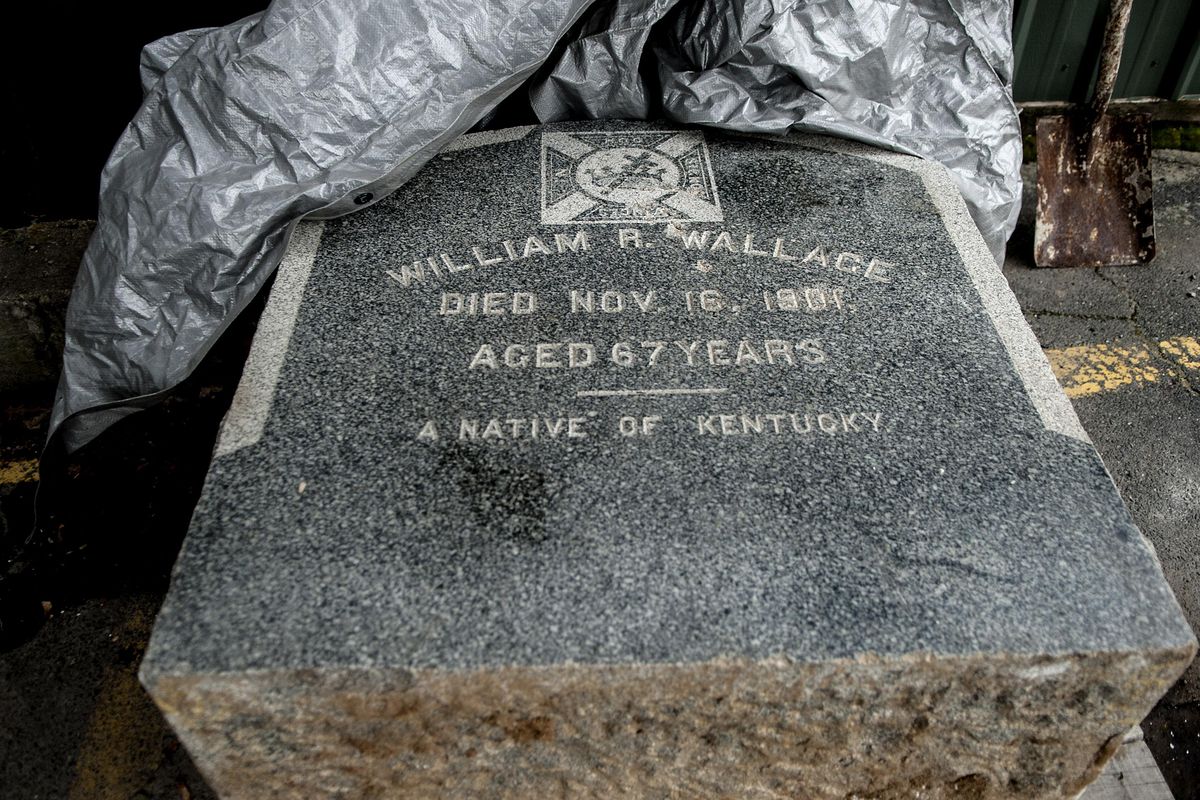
(611,460)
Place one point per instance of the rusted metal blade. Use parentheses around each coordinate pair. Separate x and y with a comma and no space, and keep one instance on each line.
(1095,206)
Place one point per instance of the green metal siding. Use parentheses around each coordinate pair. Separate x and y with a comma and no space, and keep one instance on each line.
(1188,83)
(1056,44)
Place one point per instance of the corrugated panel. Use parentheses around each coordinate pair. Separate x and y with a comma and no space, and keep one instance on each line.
(1057,45)
(1050,46)
(1188,84)
(1156,28)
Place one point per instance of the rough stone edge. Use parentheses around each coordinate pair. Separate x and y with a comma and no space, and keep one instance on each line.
(1000,304)
(251,406)
(1001,726)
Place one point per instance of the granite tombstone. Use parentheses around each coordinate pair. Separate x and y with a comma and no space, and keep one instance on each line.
(619,460)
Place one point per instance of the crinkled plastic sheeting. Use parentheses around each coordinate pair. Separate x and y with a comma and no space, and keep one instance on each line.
(302,109)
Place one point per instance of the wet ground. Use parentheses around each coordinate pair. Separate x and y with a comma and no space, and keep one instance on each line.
(78,599)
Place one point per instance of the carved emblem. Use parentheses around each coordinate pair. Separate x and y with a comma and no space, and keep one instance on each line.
(627,177)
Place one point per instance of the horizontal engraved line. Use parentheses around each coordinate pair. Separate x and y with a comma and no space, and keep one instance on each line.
(648,392)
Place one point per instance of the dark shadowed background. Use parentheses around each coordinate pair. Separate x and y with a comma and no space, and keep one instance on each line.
(70,83)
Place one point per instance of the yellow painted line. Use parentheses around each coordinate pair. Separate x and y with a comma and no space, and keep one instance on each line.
(1093,368)
(23,471)
(1184,350)
(123,741)
(1089,369)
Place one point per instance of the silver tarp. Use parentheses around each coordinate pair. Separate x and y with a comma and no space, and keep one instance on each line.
(314,104)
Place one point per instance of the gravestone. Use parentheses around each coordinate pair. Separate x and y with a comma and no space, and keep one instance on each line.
(619,460)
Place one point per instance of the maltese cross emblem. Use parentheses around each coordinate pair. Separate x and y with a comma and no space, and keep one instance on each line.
(609,177)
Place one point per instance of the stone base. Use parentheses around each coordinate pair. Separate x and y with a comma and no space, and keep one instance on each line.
(982,727)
